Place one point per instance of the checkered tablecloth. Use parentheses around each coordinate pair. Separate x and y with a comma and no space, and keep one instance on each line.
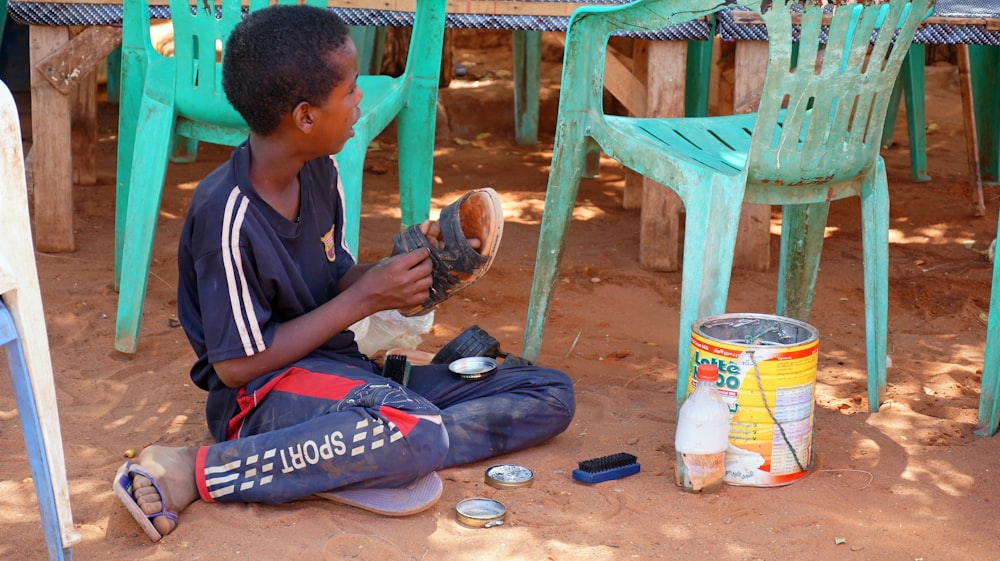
(47,13)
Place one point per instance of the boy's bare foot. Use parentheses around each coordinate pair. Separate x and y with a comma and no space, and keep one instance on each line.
(173,471)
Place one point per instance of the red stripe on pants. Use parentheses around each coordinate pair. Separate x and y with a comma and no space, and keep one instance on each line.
(294,380)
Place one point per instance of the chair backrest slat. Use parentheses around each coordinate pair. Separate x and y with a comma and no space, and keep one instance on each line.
(831,70)
(201,29)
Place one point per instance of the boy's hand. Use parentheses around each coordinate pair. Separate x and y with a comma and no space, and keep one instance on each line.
(400,281)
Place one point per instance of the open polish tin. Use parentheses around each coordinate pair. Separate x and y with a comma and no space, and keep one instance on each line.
(509,476)
(481,512)
(473,367)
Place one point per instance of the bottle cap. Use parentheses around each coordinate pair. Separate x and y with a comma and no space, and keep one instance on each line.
(708,372)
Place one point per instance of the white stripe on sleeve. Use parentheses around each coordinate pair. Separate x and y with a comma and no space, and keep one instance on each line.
(239,295)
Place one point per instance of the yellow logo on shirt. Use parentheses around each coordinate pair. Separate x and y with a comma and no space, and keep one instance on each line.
(330,244)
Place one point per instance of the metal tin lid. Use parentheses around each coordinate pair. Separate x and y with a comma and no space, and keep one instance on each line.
(509,476)
(481,512)
(473,367)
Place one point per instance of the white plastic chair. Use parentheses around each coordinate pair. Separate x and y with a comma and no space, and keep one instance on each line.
(24,340)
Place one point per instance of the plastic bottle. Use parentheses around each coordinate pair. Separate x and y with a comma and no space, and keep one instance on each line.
(702,435)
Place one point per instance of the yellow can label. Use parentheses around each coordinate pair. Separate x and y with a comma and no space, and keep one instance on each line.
(771,393)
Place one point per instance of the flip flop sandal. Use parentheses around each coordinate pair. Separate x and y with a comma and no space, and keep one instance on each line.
(475,341)
(122,486)
(399,501)
(477,214)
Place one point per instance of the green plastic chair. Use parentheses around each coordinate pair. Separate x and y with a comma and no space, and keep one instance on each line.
(182,96)
(815,139)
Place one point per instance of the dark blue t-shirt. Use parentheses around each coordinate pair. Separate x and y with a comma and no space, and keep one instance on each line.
(244,269)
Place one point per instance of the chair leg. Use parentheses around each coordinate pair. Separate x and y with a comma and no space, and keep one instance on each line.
(910,86)
(149,169)
(415,126)
(892,112)
(560,198)
(133,76)
(592,162)
(802,229)
(527,81)
(698,77)
(989,389)
(3,21)
(369,40)
(984,62)
(875,249)
(113,63)
(350,170)
(709,246)
(183,150)
(31,421)
(912,73)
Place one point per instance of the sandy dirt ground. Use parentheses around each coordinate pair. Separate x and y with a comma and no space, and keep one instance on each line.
(909,483)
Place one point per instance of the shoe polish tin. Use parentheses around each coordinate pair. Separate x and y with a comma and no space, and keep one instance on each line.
(473,367)
(509,476)
(480,512)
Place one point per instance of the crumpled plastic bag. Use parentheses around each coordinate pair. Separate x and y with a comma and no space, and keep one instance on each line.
(390,329)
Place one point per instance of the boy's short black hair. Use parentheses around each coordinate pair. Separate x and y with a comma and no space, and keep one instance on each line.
(280,56)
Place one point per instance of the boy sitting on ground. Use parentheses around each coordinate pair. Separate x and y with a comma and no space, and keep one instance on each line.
(267,291)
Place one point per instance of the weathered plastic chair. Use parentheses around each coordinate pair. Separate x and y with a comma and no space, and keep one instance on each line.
(24,340)
(815,139)
(182,96)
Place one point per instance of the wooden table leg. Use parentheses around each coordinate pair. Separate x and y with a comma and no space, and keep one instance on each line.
(650,83)
(64,103)
(971,142)
(753,245)
(83,125)
(660,218)
(50,133)
(634,99)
